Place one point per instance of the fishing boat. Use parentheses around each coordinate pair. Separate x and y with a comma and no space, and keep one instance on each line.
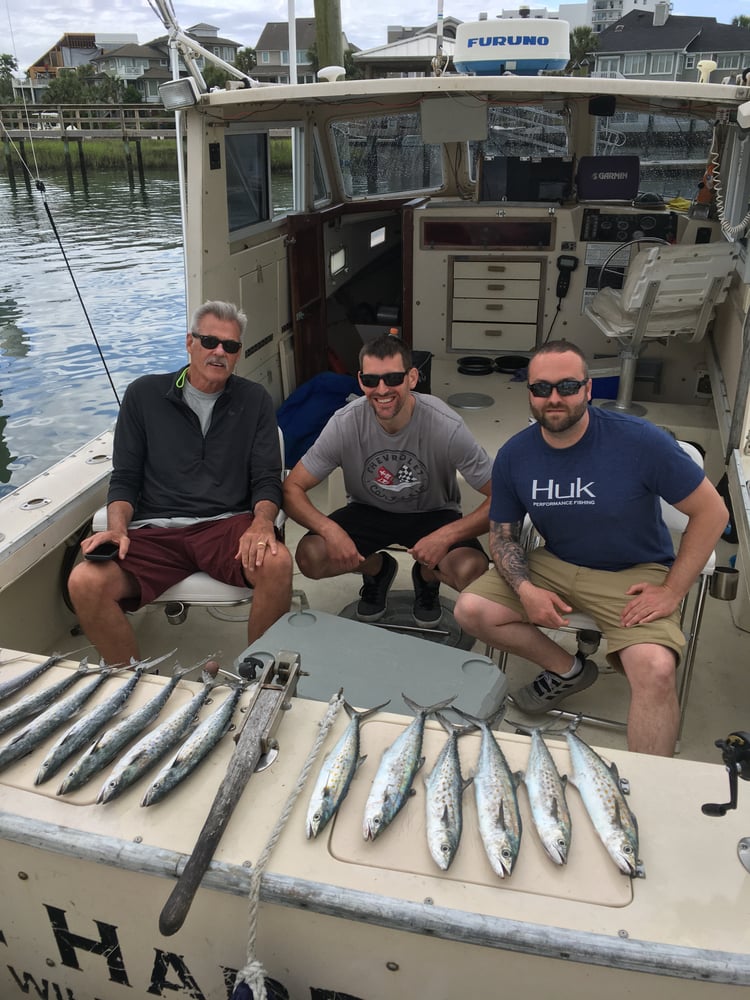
(478,214)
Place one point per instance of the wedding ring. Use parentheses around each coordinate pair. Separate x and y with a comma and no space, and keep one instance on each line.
(261,543)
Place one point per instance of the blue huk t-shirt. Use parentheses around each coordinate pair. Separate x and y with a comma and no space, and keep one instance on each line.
(596,503)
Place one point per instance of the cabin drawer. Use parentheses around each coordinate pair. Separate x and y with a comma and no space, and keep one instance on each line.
(497,337)
(529,270)
(495,288)
(495,310)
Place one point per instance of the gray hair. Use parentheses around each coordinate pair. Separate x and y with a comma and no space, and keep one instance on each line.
(226,311)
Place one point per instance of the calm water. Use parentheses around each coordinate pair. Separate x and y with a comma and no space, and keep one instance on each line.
(125,249)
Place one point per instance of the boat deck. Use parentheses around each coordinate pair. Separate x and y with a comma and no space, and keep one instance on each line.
(718,700)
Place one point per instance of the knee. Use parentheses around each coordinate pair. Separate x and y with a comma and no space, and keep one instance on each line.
(85,584)
(654,676)
(277,572)
(467,612)
(468,571)
(308,560)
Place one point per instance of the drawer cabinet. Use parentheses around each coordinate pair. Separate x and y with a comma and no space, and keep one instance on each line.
(495,304)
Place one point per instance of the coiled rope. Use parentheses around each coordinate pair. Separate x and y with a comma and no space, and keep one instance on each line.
(250,980)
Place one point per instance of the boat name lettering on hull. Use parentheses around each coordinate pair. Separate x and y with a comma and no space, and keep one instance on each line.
(170,974)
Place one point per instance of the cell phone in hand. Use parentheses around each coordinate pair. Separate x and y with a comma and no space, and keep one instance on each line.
(107,550)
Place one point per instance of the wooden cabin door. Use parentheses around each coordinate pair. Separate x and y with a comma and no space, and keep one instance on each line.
(308,296)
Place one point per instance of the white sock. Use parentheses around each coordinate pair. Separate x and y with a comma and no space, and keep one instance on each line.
(575,669)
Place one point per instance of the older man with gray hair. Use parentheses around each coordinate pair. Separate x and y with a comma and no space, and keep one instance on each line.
(196,485)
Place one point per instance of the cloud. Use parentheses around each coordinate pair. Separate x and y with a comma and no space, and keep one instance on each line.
(28,28)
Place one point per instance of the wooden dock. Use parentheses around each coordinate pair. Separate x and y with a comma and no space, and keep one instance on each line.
(76,125)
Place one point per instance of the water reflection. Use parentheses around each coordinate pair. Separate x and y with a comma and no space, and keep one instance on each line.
(123,246)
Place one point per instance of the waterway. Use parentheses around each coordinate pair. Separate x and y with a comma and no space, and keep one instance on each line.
(124,246)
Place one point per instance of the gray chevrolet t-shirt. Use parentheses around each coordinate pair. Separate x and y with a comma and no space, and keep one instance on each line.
(408,472)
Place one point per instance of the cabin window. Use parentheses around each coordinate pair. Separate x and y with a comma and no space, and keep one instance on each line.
(673,149)
(248,188)
(261,181)
(515,131)
(385,154)
(321,187)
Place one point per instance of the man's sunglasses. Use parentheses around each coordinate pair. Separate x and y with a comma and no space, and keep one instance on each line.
(210,343)
(567,387)
(390,378)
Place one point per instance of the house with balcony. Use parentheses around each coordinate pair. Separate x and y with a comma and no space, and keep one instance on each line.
(143,66)
(660,46)
(74,49)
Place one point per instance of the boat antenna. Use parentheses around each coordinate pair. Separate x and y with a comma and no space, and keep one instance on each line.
(189,48)
(439,61)
(39,184)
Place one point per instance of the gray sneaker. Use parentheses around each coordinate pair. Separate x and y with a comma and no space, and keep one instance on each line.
(547,689)
(374,592)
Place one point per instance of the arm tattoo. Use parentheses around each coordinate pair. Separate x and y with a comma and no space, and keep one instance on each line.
(508,554)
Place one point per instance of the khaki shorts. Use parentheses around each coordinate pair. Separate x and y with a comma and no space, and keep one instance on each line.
(598,593)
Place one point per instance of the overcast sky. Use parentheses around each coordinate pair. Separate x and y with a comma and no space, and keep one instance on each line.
(29,27)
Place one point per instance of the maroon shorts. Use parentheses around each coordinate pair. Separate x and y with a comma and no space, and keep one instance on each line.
(160,557)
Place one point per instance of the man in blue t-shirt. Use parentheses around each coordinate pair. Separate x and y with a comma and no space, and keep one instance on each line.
(591,481)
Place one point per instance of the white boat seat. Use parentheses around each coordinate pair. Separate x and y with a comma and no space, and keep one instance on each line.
(668,291)
(200,589)
(587,631)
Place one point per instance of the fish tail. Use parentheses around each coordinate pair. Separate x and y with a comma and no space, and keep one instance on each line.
(365,713)
(427,709)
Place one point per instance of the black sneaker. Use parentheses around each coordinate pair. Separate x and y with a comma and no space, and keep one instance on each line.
(547,690)
(374,592)
(427,611)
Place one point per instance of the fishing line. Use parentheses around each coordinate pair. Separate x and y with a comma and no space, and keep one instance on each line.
(39,184)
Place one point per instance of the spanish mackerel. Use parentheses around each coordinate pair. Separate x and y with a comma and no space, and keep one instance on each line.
(38,701)
(336,772)
(495,790)
(55,716)
(444,789)
(198,744)
(106,747)
(599,786)
(546,789)
(81,731)
(149,750)
(398,766)
(9,687)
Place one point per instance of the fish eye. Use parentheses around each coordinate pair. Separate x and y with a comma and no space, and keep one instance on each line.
(505,853)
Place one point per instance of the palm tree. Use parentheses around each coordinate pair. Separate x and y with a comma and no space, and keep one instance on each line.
(583,41)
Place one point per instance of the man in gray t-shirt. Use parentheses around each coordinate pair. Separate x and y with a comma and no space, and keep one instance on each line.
(399,452)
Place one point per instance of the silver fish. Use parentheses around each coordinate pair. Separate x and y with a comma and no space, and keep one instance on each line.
(9,687)
(398,766)
(444,789)
(55,716)
(599,787)
(81,732)
(495,787)
(149,750)
(33,704)
(546,789)
(198,744)
(336,772)
(106,747)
